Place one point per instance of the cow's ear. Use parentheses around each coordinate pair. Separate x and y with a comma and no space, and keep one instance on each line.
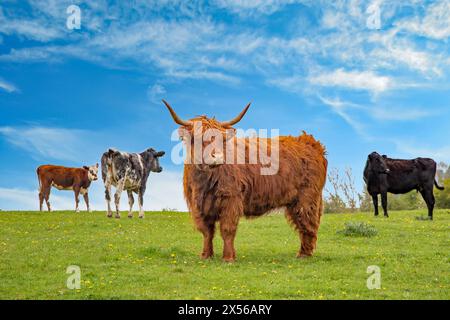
(384,156)
(96,165)
(160,154)
(85,167)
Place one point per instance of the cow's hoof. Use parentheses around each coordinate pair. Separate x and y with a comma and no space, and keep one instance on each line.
(386,216)
(304,255)
(229,260)
(117,217)
(141,217)
(206,255)
(130,216)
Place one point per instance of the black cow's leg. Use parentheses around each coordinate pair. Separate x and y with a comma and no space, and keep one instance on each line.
(141,202)
(384,203)
(130,202)
(428,196)
(375,203)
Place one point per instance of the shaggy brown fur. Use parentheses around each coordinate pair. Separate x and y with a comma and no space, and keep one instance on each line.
(224,193)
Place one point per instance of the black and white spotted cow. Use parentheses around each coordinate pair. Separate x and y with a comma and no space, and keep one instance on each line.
(128,171)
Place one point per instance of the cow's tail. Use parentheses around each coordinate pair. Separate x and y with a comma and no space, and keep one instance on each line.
(39,178)
(436,183)
(106,162)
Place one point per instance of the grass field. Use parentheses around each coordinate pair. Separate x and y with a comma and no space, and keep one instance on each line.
(157,258)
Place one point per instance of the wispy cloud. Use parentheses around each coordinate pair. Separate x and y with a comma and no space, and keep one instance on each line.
(22,199)
(408,148)
(156,92)
(48,143)
(399,114)
(358,80)
(351,113)
(434,24)
(7,86)
(340,108)
(253,7)
(197,46)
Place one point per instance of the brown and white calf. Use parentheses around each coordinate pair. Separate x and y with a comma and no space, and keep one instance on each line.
(63,178)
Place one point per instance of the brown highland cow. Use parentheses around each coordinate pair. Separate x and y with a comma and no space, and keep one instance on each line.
(222,192)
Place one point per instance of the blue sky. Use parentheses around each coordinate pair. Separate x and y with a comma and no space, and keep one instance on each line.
(68,95)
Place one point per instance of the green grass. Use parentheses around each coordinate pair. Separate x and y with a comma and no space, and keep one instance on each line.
(157,258)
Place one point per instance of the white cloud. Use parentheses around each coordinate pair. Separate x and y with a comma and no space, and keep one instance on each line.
(165,190)
(398,114)
(338,53)
(35,29)
(7,86)
(435,24)
(340,108)
(29,29)
(352,112)
(21,199)
(358,80)
(156,93)
(249,7)
(48,143)
(414,150)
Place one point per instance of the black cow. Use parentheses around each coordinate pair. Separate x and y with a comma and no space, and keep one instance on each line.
(383,175)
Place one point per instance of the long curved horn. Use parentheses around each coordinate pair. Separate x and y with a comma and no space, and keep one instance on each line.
(175,117)
(237,119)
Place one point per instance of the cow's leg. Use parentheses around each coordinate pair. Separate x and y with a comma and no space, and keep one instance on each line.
(207,228)
(41,197)
(229,220)
(428,196)
(141,202)
(86,200)
(375,203)
(108,198)
(384,204)
(76,191)
(47,197)
(130,202)
(305,216)
(119,189)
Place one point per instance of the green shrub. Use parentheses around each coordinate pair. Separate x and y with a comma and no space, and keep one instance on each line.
(358,229)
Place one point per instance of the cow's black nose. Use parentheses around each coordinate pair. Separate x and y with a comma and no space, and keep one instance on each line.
(160,169)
